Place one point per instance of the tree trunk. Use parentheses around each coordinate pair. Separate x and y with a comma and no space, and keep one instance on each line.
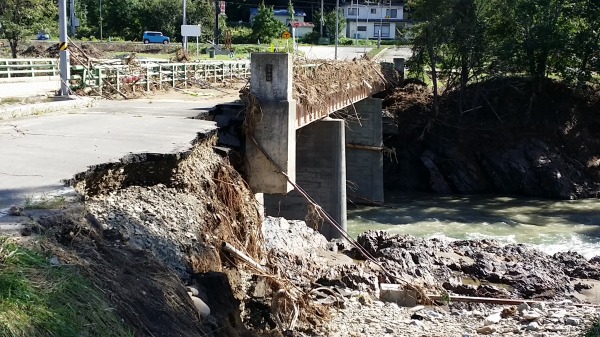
(464,78)
(13,47)
(434,79)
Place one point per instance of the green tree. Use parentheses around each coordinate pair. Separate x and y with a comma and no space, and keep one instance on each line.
(22,18)
(529,35)
(203,13)
(466,46)
(429,37)
(122,19)
(583,44)
(265,27)
(329,23)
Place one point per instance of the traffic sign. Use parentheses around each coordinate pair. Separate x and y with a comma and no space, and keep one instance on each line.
(286,35)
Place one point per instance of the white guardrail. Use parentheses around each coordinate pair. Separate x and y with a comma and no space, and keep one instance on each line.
(145,74)
(11,68)
(156,76)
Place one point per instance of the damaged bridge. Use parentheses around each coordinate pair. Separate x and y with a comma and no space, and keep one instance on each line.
(314,127)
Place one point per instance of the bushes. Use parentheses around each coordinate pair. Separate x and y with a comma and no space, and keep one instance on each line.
(241,35)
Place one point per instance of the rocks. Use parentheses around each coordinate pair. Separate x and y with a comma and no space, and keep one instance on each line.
(483,268)
(357,319)
(15,211)
(492,319)
(202,308)
(486,330)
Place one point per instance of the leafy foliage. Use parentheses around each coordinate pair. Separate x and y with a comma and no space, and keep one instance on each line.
(329,22)
(265,27)
(21,18)
(461,41)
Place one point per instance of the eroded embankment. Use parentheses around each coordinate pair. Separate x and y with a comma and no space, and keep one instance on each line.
(152,223)
(504,140)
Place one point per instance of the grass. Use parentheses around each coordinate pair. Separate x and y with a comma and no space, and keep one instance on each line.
(39,300)
(46,202)
(10,100)
(371,53)
(594,330)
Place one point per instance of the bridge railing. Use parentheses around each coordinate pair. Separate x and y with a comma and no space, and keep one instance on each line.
(11,68)
(156,76)
(341,92)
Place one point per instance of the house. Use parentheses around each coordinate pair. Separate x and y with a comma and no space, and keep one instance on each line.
(282,15)
(302,28)
(366,20)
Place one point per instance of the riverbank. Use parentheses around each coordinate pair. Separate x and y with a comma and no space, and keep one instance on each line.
(508,141)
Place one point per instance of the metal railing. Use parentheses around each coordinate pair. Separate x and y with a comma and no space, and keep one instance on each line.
(156,76)
(11,68)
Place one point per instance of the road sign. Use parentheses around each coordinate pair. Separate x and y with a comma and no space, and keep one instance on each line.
(286,35)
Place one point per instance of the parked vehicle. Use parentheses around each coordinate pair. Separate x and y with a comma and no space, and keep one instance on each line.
(155,37)
(41,35)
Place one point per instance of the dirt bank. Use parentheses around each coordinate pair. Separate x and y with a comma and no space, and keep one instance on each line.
(507,141)
(36,49)
(153,223)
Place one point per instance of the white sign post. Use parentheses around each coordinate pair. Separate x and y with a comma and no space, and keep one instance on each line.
(191,30)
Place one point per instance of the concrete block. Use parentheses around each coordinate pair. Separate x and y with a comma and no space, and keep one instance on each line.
(396,293)
(272,76)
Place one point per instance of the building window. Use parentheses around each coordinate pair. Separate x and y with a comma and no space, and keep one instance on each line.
(362,28)
(383,28)
(373,10)
(391,13)
(353,11)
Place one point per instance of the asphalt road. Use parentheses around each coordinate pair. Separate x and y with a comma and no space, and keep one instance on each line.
(38,153)
(29,87)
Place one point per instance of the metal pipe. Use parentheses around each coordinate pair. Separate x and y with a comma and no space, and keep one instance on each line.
(64,52)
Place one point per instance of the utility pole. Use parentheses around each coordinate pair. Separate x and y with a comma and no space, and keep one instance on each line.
(217,22)
(322,19)
(337,26)
(62,46)
(100,20)
(185,47)
(72,17)
(380,26)
(356,33)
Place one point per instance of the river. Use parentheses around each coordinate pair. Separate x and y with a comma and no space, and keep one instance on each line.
(549,225)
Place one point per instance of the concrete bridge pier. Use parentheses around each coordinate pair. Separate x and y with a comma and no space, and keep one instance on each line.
(364,155)
(321,172)
(274,129)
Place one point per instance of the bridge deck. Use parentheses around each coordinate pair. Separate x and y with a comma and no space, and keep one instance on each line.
(334,102)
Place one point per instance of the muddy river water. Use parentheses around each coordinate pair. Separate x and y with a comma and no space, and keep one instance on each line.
(549,225)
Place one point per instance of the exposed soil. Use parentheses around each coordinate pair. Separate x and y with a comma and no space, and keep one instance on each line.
(151,224)
(506,141)
(34,49)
